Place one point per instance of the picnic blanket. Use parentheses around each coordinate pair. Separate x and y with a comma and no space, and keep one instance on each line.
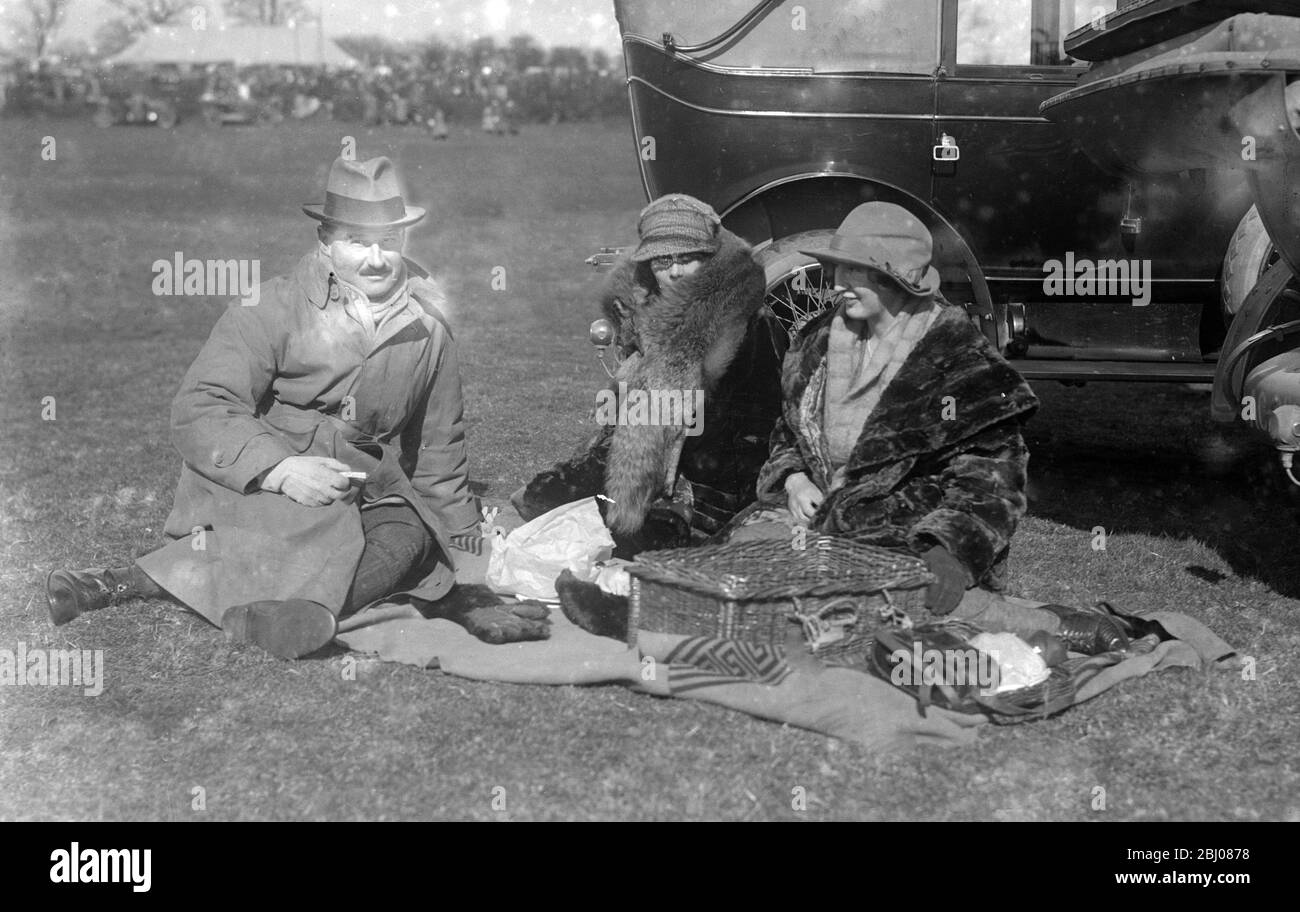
(774,682)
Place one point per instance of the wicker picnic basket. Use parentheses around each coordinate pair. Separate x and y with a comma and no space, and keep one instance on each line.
(838,590)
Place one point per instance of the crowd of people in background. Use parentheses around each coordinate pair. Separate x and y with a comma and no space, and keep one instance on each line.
(492,93)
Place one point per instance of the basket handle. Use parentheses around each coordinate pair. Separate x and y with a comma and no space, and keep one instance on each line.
(818,625)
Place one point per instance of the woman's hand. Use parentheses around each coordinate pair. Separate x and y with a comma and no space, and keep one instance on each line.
(802,497)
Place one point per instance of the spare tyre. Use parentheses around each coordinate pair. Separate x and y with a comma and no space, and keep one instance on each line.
(1249,253)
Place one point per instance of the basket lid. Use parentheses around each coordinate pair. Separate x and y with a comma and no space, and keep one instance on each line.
(762,570)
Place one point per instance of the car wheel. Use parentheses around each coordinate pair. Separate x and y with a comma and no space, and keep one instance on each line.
(166,116)
(798,289)
(103,117)
(1249,253)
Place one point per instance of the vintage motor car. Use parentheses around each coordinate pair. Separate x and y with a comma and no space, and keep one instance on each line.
(1213,84)
(233,97)
(133,98)
(135,109)
(784,116)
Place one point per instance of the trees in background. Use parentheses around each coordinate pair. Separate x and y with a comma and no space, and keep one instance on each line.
(33,24)
(536,84)
(139,15)
(136,16)
(269,12)
(517,81)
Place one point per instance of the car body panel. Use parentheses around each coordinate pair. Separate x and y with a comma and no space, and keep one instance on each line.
(780,141)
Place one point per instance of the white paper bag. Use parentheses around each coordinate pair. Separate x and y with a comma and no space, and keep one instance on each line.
(527,561)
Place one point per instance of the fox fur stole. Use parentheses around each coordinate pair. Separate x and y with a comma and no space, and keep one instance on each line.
(679,338)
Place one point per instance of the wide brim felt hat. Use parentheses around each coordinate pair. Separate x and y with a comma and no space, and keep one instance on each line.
(364,195)
(887,238)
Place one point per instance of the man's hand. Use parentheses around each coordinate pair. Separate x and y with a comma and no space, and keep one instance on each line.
(802,497)
(951,580)
(313,481)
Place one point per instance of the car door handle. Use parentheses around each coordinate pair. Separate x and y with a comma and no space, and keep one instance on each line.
(947,150)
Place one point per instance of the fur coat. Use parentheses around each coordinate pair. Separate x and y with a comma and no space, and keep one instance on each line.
(940,461)
(709,332)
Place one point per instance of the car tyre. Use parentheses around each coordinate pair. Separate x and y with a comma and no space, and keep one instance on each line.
(1249,253)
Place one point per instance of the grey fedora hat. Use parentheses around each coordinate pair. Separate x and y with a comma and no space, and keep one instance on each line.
(364,194)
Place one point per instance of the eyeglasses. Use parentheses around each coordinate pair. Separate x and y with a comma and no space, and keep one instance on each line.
(667,260)
(392,240)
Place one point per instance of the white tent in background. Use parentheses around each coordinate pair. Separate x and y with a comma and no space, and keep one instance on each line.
(244,45)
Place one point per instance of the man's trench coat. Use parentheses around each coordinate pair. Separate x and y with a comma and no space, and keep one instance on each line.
(296,374)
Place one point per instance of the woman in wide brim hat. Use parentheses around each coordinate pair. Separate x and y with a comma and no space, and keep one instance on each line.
(901,426)
(887,239)
(888,300)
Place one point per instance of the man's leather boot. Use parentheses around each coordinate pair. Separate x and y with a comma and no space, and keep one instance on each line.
(70,592)
(1088,632)
(290,629)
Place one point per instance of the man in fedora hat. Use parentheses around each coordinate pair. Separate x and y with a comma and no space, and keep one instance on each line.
(324,451)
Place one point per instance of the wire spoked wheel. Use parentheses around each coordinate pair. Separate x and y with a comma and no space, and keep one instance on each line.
(798,288)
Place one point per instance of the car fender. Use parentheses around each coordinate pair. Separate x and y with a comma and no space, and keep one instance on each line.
(812,200)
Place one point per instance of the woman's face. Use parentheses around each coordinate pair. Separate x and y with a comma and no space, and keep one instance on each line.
(671,269)
(867,293)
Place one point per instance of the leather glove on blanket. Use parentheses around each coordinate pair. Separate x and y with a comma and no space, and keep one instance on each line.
(952,579)
(481,611)
(507,623)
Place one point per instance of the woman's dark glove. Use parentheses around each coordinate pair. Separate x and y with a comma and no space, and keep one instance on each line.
(592,608)
(952,580)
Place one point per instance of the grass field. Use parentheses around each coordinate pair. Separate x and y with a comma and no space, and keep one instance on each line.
(1198,520)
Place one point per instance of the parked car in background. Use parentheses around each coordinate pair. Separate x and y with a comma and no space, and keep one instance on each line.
(136,109)
(133,97)
(785,116)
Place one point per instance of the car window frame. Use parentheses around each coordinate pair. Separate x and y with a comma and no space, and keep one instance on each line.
(1064,73)
(708,59)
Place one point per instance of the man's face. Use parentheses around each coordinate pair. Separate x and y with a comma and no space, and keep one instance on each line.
(368,259)
(673,268)
(867,292)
